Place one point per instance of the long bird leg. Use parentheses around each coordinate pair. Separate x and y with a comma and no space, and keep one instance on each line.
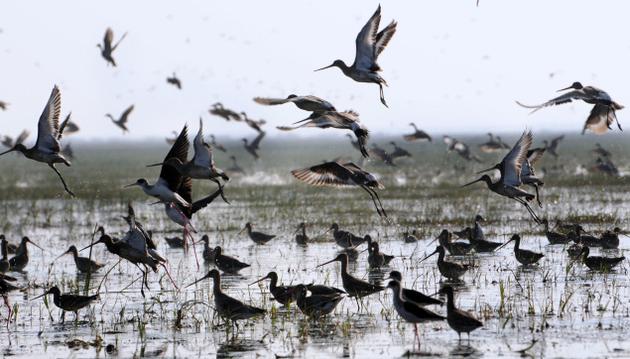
(380,86)
(169,276)
(379,202)
(616,120)
(98,290)
(537,195)
(65,186)
(220,189)
(6,302)
(529,209)
(378,210)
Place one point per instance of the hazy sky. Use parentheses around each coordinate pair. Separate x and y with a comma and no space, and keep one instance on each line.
(451,67)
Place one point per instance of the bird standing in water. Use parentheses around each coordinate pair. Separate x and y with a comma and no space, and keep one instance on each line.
(69,302)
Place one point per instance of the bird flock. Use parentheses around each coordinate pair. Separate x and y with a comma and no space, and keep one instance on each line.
(173,191)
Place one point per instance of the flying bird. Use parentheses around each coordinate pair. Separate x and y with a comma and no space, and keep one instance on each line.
(216,145)
(3,105)
(47,149)
(603,113)
(369,45)
(347,120)
(68,127)
(460,148)
(107,49)
(175,81)
(552,146)
(122,121)
(7,141)
(333,174)
(253,123)
(309,103)
(218,109)
(417,135)
(253,147)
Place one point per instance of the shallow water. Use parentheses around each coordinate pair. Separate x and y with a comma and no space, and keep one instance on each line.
(569,311)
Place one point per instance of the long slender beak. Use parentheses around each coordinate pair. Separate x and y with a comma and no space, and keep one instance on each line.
(241,231)
(428,256)
(33,243)
(260,280)
(473,182)
(324,68)
(39,296)
(503,245)
(130,185)
(434,239)
(5,152)
(62,254)
(323,264)
(486,170)
(156,164)
(564,89)
(365,250)
(434,294)
(91,245)
(198,280)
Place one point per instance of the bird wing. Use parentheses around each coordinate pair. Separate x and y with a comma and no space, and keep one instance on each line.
(204,202)
(513,161)
(600,119)
(63,126)
(179,150)
(556,141)
(22,137)
(313,103)
(383,38)
(270,101)
(534,155)
(109,38)
(48,125)
(203,152)
(327,174)
(185,190)
(125,115)
(565,98)
(257,140)
(365,57)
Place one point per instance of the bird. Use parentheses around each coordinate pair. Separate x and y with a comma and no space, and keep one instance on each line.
(5,266)
(107,48)
(454,248)
(462,149)
(355,287)
(459,320)
(595,263)
(334,174)
(254,124)
(309,103)
(450,270)
(610,239)
(253,147)
(216,145)
(410,237)
(8,141)
(369,45)
(208,253)
(316,305)
(553,236)
(493,145)
(417,135)
(301,238)
(201,166)
(605,166)
(69,302)
(47,149)
(170,179)
(523,256)
(552,147)
(227,264)
(478,238)
(601,151)
(373,249)
(219,110)
(382,155)
(257,237)
(174,242)
(229,308)
(67,127)
(18,262)
(510,167)
(413,295)
(345,239)
(282,294)
(84,265)
(175,81)
(603,113)
(409,310)
(346,120)
(235,168)
(124,118)
(3,105)
(398,151)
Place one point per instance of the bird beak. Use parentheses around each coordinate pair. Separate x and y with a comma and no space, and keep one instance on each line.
(323,264)
(434,294)
(486,170)
(428,256)
(473,182)
(62,254)
(435,239)
(365,250)
(198,280)
(91,245)
(503,245)
(564,89)
(260,280)
(130,185)
(325,67)
(241,231)
(156,164)
(33,243)
(39,296)
(5,152)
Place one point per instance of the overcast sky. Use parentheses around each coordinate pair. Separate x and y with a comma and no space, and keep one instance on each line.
(451,67)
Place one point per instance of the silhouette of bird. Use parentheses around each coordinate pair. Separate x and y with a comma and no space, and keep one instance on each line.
(175,81)
(107,49)
(122,121)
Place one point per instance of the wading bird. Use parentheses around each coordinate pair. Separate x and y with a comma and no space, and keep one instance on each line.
(369,45)
(175,81)
(229,308)
(595,263)
(523,256)
(122,121)
(462,149)
(316,305)
(227,264)
(454,248)
(478,238)
(257,237)
(355,287)
(208,253)
(417,135)
(411,295)
(107,49)
(20,260)
(451,270)
(5,266)
(84,264)
(553,236)
(411,311)
(493,145)
(373,249)
(7,141)
(300,235)
(333,174)
(282,294)
(46,149)
(69,302)
(603,113)
(509,183)
(382,155)
(253,147)
(309,103)
(346,120)
(398,151)
(67,127)
(345,239)
(459,320)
